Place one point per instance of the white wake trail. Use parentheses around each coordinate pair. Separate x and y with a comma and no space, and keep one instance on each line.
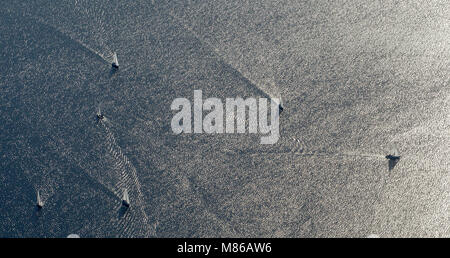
(107,57)
(128,176)
(216,51)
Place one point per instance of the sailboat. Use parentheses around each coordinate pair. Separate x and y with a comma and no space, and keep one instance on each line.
(280,105)
(99,115)
(125,198)
(115,63)
(394,154)
(393,157)
(39,202)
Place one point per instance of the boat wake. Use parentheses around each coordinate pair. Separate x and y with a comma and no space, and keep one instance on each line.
(105,54)
(128,180)
(268,88)
(301,151)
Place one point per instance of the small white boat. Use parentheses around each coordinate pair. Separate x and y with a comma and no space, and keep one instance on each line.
(394,154)
(280,105)
(125,198)
(100,116)
(39,202)
(115,63)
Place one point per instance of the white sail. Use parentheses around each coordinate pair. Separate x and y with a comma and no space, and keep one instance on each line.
(39,202)
(115,62)
(280,105)
(394,151)
(125,198)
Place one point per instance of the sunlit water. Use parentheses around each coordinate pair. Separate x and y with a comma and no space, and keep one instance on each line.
(355,78)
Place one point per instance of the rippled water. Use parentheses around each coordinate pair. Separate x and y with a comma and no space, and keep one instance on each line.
(356,78)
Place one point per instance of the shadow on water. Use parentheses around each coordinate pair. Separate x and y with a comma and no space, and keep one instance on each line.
(37,209)
(392,163)
(122,211)
(36,214)
(113,72)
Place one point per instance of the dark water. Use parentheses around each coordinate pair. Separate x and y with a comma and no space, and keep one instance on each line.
(356,78)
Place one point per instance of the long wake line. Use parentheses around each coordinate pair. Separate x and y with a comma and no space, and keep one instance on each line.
(217,53)
(125,179)
(302,152)
(104,57)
